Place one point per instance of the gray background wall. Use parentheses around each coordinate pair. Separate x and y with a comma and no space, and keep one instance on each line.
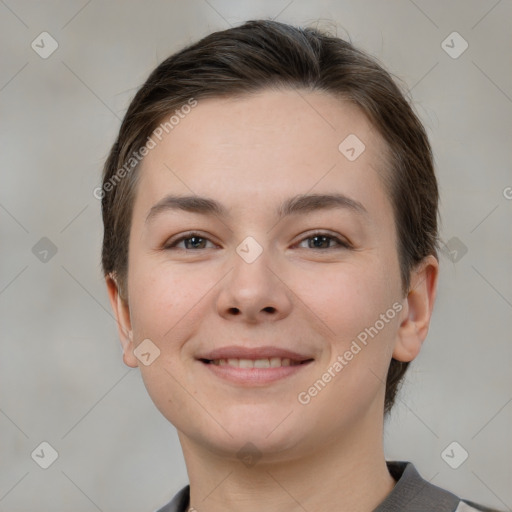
(62,379)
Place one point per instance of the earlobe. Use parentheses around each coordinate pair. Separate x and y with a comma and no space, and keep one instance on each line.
(417,311)
(122,313)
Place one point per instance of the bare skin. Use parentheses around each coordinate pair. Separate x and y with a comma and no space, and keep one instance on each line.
(312,296)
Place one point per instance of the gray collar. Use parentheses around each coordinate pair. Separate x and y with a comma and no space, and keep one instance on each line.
(411,494)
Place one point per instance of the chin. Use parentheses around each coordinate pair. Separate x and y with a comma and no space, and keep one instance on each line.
(252,431)
(254,444)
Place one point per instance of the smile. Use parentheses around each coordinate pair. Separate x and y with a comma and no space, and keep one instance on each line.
(254,372)
(273,362)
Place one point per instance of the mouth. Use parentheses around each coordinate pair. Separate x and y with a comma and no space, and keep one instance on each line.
(255,366)
(271,362)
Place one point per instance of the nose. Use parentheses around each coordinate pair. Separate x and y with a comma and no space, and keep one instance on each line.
(254,291)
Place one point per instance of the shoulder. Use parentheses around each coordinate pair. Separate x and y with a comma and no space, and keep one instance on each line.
(412,493)
(469,506)
(179,503)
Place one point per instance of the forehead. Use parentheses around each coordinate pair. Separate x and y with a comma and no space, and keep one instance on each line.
(266,146)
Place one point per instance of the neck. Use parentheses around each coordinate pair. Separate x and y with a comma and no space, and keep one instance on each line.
(346,473)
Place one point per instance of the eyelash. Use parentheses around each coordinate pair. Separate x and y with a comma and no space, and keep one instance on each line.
(341,243)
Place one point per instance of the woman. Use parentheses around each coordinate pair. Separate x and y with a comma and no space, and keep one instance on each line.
(270,252)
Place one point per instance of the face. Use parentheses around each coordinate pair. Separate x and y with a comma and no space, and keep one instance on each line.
(271,274)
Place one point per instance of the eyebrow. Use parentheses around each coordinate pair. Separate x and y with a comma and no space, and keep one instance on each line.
(296,205)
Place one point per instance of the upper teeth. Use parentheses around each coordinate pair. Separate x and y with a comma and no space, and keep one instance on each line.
(272,362)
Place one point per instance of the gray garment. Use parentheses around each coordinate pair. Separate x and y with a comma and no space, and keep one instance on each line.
(411,494)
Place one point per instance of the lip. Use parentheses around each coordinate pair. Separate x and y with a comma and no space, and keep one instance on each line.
(240,352)
(253,376)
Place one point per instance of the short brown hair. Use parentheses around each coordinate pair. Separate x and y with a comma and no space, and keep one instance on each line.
(263,54)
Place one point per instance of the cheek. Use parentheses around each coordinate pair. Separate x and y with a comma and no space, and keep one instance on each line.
(350,297)
(153,304)
(157,294)
(360,313)
(164,307)
(168,303)
(360,348)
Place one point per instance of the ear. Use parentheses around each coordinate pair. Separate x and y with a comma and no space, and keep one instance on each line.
(417,311)
(124,327)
